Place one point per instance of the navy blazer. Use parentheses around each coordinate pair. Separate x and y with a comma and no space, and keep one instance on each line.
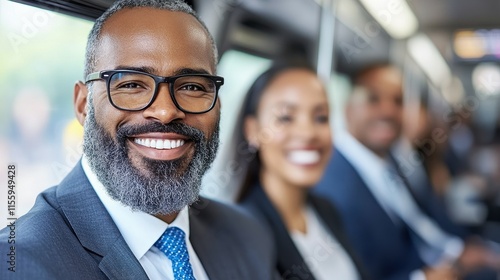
(68,234)
(384,247)
(291,265)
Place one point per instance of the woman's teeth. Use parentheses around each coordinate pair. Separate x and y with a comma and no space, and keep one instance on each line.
(304,157)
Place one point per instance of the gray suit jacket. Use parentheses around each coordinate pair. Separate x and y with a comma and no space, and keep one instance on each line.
(68,234)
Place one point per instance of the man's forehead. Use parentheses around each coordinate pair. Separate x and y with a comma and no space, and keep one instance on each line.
(361,93)
(379,81)
(147,35)
(159,22)
(139,16)
(386,74)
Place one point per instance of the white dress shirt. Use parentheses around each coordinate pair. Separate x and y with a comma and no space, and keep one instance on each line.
(141,231)
(397,201)
(324,256)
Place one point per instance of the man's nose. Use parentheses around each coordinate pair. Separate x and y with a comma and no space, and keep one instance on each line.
(163,109)
(390,108)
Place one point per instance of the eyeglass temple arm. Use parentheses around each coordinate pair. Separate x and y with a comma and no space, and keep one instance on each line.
(220,82)
(93,76)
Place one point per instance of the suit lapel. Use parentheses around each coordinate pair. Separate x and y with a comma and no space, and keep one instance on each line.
(215,253)
(365,196)
(95,229)
(120,263)
(288,255)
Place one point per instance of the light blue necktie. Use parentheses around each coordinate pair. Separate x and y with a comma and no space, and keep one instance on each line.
(173,244)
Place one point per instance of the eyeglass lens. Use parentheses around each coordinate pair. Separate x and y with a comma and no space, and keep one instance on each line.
(133,91)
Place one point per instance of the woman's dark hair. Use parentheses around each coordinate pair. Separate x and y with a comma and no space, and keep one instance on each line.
(244,156)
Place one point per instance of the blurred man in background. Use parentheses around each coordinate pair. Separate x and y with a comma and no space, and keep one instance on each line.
(398,234)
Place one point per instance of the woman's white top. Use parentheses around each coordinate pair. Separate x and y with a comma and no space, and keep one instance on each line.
(322,253)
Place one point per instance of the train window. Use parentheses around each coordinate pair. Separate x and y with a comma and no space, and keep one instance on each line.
(239,70)
(338,88)
(41,59)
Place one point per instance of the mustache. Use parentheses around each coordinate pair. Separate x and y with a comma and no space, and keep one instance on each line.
(391,121)
(126,131)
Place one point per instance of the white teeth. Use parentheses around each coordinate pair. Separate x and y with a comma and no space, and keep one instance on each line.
(159,144)
(304,156)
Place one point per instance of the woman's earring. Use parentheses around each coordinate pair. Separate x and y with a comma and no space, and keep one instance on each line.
(253,148)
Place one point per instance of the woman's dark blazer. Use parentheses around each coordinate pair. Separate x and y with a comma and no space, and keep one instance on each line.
(291,265)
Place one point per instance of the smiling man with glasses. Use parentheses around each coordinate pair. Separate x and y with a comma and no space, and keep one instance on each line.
(131,208)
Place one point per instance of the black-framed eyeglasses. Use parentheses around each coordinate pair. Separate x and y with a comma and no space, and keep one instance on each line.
(132,90)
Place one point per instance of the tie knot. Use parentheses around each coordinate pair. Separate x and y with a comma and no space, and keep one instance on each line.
(174,233)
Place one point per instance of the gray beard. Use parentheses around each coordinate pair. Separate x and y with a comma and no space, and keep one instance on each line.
(159,187)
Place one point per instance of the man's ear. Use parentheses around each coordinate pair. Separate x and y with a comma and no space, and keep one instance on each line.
(80,93)
(250,128)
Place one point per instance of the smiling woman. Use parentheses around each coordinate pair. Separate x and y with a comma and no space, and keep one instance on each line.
(39,67)
(283,144)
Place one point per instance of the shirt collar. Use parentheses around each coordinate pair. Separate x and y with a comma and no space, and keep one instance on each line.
(358,155)
(140,230)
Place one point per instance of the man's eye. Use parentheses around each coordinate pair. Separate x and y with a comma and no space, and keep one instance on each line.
(192,88)
(284,119)
(322,119)
(131,86)
(399,101)
(373,99)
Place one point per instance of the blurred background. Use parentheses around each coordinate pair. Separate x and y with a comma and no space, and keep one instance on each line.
(449,51)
